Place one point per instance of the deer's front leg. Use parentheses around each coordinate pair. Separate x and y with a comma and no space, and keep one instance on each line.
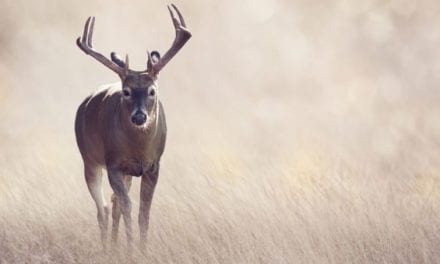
(116,211)
(148,184)
(116,180)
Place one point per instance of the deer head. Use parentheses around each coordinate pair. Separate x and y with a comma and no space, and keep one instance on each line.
(139,88)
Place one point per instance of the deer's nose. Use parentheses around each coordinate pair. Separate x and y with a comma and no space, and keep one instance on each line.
(139,118)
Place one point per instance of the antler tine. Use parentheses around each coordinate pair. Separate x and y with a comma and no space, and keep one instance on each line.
(86,28)
(149,62)
(116,59)
(85,41)
(126,64)
(90,35)
(182,21)
(175,21)
(182,36)
(85,44)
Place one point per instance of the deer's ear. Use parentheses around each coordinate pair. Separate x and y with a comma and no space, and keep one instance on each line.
(155,56)
(116,59)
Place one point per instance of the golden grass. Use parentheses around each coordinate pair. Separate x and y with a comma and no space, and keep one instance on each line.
(299,132)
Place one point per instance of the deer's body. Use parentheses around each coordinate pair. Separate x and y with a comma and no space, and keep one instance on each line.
(122,128)
(107,139)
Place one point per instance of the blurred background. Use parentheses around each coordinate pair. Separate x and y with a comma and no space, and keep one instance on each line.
(298,131)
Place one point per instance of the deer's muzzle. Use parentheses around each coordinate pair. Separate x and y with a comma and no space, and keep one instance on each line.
(139,118)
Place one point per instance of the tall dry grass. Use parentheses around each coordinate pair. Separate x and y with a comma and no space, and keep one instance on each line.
(299,131)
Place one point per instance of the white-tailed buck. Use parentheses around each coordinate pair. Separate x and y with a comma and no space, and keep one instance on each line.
(122,128)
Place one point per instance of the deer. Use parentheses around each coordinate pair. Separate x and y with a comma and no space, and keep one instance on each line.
(121,128)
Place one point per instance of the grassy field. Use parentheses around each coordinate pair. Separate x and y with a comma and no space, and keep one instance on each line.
(299,132)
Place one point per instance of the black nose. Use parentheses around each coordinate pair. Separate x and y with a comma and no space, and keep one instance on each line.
(138,118)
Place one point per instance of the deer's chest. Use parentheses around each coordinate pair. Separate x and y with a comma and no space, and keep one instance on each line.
(135,167)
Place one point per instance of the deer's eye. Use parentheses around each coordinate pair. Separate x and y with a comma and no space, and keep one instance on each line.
(126,92)
(152,92)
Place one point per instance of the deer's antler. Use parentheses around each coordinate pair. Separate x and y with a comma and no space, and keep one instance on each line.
(182,36)
(85,44)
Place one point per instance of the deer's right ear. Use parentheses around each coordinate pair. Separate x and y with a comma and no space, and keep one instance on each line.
(116,59)
(155,56)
